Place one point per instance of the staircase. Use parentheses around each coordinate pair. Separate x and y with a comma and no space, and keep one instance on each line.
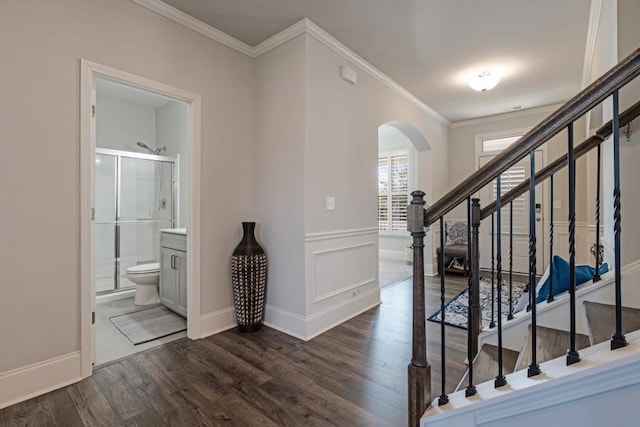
(601,319)
(552,343)
(571,354)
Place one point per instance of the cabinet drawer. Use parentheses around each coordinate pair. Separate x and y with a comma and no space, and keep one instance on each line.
(173,241)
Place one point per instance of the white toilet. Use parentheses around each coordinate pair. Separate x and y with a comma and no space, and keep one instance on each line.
(146,277)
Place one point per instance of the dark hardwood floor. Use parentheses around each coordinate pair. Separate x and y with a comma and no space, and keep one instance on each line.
(352,375)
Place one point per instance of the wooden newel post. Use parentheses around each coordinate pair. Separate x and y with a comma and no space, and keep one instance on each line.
(474,295)
(419,369)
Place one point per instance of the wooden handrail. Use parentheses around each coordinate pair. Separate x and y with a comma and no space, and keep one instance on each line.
(614,79)
(590,143)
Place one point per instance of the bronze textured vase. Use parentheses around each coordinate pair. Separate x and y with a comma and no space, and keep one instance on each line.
(249,279)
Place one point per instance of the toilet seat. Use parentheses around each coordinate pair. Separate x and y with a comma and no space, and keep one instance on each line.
(151,268)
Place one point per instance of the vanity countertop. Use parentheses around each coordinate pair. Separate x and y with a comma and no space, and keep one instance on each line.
(181,231)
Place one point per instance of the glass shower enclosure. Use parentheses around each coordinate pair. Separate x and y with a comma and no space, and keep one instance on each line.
(135,197)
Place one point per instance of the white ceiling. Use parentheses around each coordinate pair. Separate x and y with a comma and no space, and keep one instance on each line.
(432,47)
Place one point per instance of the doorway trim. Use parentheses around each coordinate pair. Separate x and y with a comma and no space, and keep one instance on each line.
(88,73)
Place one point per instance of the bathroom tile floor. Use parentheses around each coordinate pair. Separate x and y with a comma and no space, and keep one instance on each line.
(111,344)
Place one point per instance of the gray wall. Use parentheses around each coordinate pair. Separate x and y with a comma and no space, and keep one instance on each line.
(279,179)
(40,128)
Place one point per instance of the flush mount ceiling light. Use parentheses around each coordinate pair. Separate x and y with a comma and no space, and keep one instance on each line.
(484,81)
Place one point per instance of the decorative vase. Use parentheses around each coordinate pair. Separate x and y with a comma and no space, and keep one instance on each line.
(249,279)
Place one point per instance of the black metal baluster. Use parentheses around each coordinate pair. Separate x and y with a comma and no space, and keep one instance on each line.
(492,324)
(443,399)
(534,368)
(500,379)
(510,316)
(596,275)
(617,340)
(550,297)
(471,347)
(572,353)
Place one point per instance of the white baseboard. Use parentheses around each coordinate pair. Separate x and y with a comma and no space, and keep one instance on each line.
(430,270)
(286,321)
(39,378)
(307,327)
(327,318)
(217,321)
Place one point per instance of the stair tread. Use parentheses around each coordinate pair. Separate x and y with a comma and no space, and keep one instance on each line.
(485,365)
(551,343)
(601,319)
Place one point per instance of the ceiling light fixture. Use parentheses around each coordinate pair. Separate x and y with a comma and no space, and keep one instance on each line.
(484,81)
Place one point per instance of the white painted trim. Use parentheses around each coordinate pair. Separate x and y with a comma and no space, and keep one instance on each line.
(301,27)
(39,378)
(339,234)
(430,269)
(592,37)
(217,321)
(314,271)
(349,55)
(505,116)
(90,71)
(323,320)
(308,327)
(600,371)
(194,158)
(281,38)
(196,25)
(87,273)
(296,324)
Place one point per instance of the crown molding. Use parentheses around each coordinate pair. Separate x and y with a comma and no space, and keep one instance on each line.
(592,37)
(196,25)
(301,27)
(504,116)
(333,44)
(281,38)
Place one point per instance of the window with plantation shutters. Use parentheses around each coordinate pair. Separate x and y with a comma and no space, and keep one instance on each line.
(393,191)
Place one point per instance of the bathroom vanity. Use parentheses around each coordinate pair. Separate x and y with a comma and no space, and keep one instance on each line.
(173,269)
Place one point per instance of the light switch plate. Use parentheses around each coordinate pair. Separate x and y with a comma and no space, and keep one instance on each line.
(330,203)
(557,204)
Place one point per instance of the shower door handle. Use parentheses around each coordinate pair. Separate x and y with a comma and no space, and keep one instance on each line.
(117,241)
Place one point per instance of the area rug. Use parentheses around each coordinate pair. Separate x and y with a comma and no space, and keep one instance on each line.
(149,324)
(456,310)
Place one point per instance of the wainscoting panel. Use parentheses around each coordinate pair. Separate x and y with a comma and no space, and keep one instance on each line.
(341,276)
(341,269)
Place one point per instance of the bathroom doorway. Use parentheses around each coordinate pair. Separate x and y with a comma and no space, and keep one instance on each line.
(139,142)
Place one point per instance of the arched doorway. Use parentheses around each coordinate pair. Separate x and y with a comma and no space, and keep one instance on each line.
(402,156)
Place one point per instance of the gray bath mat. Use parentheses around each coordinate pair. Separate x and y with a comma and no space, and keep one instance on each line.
(149,324)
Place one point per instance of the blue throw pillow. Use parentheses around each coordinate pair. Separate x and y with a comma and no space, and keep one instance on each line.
(560,274)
